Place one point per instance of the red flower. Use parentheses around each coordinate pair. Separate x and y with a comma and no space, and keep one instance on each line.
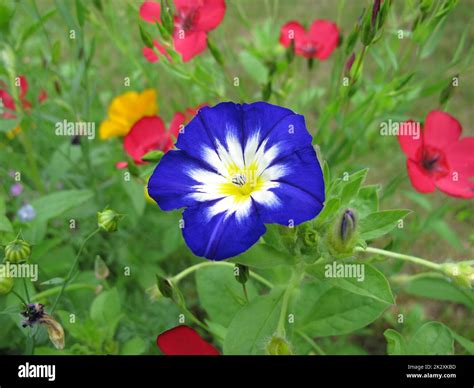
(192,21)
(9,102)
(319,42)
(150,133)
(438,158)
(184,341)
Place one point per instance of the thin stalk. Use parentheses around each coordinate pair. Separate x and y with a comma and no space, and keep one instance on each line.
(71,271)
(310,341)
(175,279)
(400,256)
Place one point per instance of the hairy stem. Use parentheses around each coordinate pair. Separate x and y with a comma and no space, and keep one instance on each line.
(400,256)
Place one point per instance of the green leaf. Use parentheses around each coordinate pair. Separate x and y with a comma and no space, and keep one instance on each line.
(380,223)
(146,38)
(81,12)
(464,342)
(373,285)
(9,124)
(5,225)
(220,294)
(436,286)
(55,204)
(263,256)
(350,190)
(153,156)
(432,338)
(444,231)
(253,326)
(324,310)
(254,67)
(330,209)
(136,192)
(133,346)
(396,344)
(31,29)
(105,310)
(366,202)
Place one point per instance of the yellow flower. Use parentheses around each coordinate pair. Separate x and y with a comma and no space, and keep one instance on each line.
(11,134)
(125,110)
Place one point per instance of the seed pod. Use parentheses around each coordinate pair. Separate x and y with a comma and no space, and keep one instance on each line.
(108,220)
(6,285)
(17,251)
(278,346)
(241,273)
(165,287)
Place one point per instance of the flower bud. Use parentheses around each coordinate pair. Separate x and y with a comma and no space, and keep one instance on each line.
(164,286)
(108,220)
(446,93)
(461,273)
(6,285)
(348,65)
(17,251)
(278,346)
(241,273)
(101,270)
(348,224)
(343,235)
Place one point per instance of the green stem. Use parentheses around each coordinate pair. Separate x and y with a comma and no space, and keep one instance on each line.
(244,288)
(27,294)
(175,279)
(71,271)
(400,256)
(19,297)
(55,290)
(293,283)
(313,344)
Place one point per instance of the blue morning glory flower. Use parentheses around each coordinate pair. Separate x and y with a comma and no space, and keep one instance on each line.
(236,168)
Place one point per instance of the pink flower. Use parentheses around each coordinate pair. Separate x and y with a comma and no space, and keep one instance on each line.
(439,158)
(319,42)
(192,21)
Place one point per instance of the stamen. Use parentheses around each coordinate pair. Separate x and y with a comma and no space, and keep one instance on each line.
(239,180)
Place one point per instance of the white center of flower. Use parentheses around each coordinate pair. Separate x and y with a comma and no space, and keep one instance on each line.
(244,172)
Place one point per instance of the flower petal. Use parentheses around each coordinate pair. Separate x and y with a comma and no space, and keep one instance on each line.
(441,129)
(276,126)
(174,180)
(150,12)
(420,179)
(220,235)
(147,134)
(184,341)
(459,182)
(410,143)
(292,31)
(209,15)
(8,105)
(325,36)
(298,195)
(125,110)
(209,130)
(189,43)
